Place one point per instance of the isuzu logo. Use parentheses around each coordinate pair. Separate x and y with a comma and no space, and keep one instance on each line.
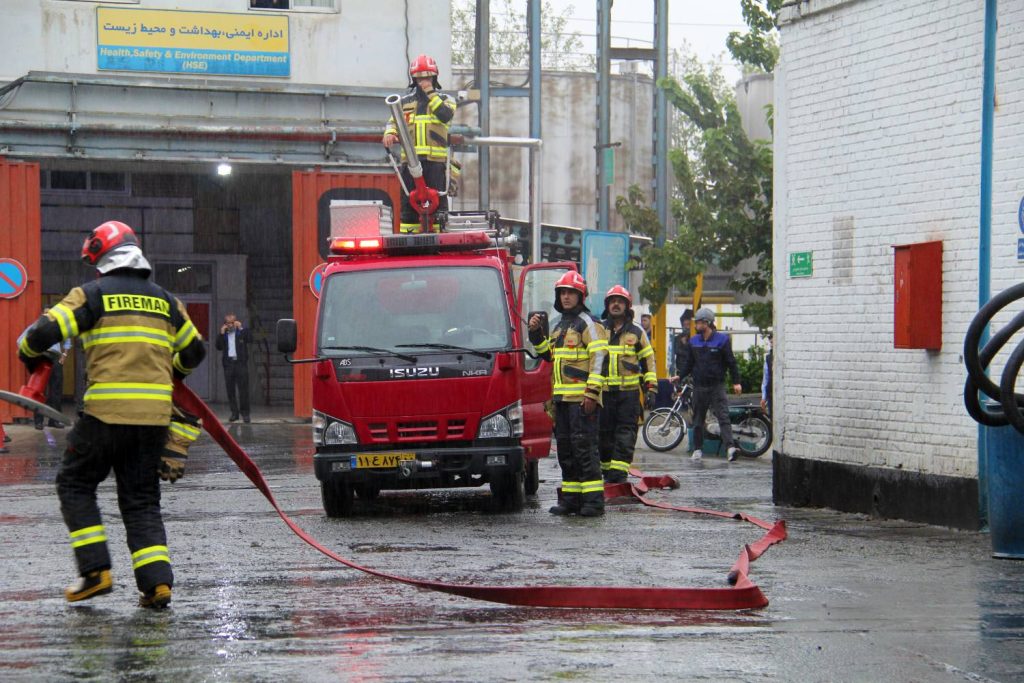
(409,373)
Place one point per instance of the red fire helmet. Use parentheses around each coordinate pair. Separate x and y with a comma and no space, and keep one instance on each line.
(105,237)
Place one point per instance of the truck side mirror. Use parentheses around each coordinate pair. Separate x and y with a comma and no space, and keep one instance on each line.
(287,335)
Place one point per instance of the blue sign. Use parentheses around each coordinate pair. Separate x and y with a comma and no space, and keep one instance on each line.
(1020,249)
(13,278)
(603,256)
(1020,214)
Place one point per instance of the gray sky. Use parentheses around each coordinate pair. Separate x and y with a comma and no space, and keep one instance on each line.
(704,24)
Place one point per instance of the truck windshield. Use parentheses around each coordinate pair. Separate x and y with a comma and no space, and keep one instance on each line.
(392,308)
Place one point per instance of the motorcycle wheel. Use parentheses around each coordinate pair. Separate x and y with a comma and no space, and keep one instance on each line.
(663,430)
(753,435)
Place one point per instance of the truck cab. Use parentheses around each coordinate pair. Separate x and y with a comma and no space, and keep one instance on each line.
(423,375)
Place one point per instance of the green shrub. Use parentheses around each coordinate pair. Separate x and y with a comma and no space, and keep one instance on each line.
(751,365)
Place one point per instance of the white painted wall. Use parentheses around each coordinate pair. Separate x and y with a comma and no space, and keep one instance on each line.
(878,119)
(359,43)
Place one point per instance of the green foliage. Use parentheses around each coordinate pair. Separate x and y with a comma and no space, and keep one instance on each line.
(757,47)
(509,37)
(723,202)
(751,364)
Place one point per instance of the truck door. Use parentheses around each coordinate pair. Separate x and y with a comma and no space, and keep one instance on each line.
(537,293)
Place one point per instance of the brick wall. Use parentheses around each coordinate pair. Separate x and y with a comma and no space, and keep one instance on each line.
(878,120)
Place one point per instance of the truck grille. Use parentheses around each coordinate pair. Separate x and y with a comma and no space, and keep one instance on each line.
(424,430)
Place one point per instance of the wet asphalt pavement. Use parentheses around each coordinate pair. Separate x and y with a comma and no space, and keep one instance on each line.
(851,599)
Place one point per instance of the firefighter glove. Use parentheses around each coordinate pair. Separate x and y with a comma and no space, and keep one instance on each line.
(30,363)
(651,399)
(172,468)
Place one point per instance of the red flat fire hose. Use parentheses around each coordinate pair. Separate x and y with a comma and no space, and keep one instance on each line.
(742,593)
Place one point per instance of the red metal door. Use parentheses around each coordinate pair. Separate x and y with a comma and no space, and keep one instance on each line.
(19,240)
(311,191)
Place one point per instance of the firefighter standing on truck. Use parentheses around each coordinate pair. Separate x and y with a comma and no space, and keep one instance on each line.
(428,113)
(630,365)
(578,351)
(137,337)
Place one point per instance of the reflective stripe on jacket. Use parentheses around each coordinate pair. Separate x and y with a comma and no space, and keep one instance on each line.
(578,350)
(427,119)
(135,336)
(630,357)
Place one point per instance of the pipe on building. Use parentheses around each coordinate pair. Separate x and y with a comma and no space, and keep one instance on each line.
(988,94)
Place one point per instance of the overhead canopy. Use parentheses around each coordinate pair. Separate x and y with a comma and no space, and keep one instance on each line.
(152,118)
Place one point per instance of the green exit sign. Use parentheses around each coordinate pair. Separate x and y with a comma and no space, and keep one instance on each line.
(801,264)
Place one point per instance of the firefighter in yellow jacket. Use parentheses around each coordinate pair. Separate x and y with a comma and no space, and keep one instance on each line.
(578,351)
(631,367)
(137,337)
(428,113)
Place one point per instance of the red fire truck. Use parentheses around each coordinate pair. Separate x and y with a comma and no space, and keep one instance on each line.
(423,373)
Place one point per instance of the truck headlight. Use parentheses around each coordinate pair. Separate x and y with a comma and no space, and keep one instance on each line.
(329,431)
(505,423)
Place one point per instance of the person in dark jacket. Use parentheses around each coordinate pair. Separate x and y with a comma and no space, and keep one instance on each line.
(137,338)
(681,342)
(233,343)
(710,356)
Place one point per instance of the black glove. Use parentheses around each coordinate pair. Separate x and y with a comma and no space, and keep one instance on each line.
(171,468)
(30,363)
(650,399)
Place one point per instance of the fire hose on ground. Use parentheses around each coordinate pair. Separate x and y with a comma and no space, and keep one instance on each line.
(741,592)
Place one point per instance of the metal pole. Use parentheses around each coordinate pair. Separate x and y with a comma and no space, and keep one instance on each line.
(533,8)
(482,76)
(661,119)
(604,18)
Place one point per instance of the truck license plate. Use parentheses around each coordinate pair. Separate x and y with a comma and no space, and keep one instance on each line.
(379,460)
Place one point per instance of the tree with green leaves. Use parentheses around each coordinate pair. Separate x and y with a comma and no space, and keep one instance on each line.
(722,201)
(560,48)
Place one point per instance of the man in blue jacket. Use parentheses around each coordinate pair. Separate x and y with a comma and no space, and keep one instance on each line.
(710,355)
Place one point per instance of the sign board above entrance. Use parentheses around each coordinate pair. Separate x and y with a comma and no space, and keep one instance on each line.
(170,41)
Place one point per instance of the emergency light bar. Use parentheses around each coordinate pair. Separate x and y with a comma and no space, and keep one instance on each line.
(430,243)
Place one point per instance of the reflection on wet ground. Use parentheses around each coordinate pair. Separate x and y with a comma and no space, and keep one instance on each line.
(851,598)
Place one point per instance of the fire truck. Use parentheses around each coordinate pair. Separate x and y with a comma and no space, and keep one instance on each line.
(423,375)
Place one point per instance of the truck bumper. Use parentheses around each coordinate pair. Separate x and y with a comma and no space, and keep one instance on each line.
(421,468)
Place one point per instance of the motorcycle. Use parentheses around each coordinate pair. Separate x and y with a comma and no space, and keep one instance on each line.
(665,428)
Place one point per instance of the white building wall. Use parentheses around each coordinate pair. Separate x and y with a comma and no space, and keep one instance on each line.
(878,117)
(358,43)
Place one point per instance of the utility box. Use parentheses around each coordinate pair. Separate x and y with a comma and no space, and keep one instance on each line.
(918,296)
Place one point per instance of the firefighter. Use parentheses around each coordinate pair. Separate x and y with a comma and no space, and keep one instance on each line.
(137,337)
(428,113)
(579,352)
(631,365)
